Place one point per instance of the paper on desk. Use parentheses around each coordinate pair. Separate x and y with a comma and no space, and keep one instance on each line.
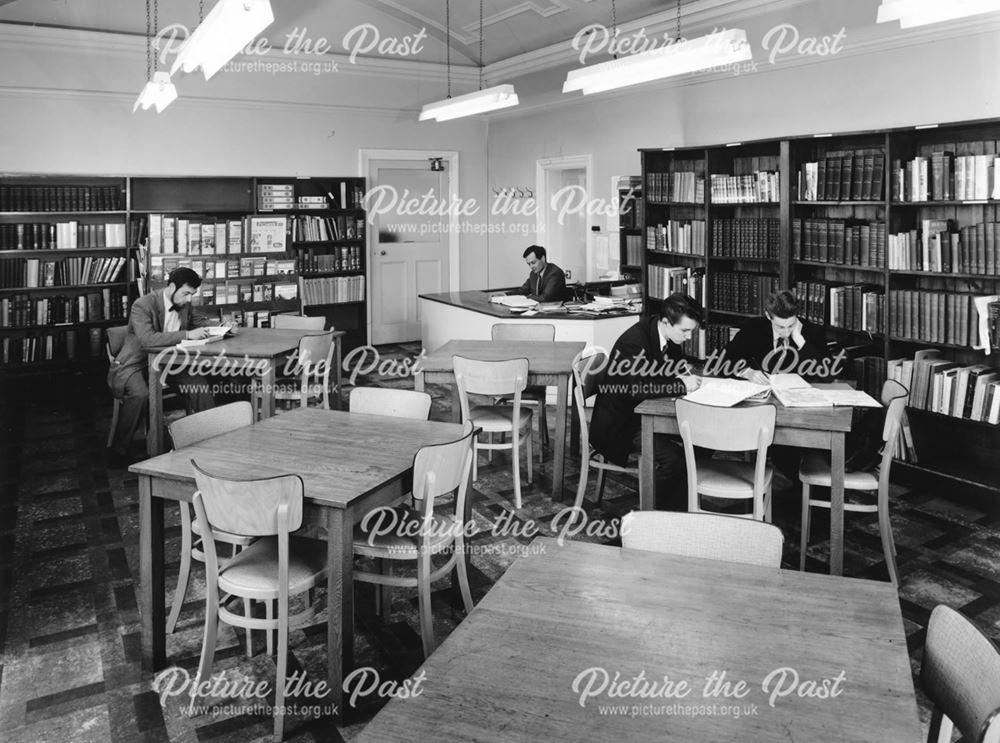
(810,397)
(787,382)
(724,393)
(513,300)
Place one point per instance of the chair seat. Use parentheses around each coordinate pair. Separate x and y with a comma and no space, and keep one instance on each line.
(402,543)
(223,536)
(815,470)
(497,417)
(255,569)
(723,478)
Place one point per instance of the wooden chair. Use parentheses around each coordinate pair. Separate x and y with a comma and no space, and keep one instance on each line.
(274,568)
(815,471)
(188,431)
(535,394)
(585,387)
(732,430)
(494,378)
(387,401)
(420,533)
(960,673)
(708,535)
(314,362)
(298,322)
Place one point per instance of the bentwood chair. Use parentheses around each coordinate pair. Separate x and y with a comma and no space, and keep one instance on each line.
(707,535)
(815,472)
(298,322)
(494,378)
(188,431)
(586,378)
(388,401)
(533,395)
(729,430)
(274,568)
(960,673)
(416,535)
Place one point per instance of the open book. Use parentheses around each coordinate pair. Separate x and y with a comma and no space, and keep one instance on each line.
(795,392)
(725,393)
(216,333)
(513,300)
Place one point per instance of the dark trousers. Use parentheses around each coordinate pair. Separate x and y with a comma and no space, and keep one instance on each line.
(670,471)
(135,405)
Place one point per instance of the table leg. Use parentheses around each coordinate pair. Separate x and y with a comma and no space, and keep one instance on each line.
(152,611)
(339,603)
(837,504)
(647,480)
(339,380)
(154,432)
(574,423)
(418,381)
(560,441)
(267,379)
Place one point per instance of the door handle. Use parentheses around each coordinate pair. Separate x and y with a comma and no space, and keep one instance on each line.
(382,252)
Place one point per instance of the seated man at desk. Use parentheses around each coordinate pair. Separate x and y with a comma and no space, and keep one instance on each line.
(161,318)
(546,282)
(646,362)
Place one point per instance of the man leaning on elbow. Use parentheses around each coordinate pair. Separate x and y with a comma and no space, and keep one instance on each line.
(546,282)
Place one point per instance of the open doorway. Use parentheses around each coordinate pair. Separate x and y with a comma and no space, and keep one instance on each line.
(564,187)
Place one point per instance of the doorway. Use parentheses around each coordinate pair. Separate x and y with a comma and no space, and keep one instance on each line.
(564,188)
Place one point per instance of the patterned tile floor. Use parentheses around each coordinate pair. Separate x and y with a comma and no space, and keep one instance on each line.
(69,624)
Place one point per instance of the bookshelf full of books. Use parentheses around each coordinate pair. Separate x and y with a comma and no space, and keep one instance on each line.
(631,210)
(891,241)
(66,267)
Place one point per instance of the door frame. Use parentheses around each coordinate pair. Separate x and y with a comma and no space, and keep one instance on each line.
(545,165)
(450,158)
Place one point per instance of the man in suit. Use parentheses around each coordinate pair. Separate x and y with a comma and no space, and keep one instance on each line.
(647,362)
(546,282)
(162,318)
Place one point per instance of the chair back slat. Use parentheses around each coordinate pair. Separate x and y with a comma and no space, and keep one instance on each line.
(249,507)
(960,672)
(316,355)
(490,377)
(588,372)
(523,331)
(727,429)
(708,536)
(298,322)
(442,468)
(196,427)
(392,402)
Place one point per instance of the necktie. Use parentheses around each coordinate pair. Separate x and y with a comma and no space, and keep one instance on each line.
(780,357)
(175,308)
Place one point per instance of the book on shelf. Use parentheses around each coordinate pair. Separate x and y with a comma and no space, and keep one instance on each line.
(842,176)
(677,236)
(663,281)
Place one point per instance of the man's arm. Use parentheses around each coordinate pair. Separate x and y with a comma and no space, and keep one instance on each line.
(553,287)
(141,323)
(630,371)
(740,349)
(525,289)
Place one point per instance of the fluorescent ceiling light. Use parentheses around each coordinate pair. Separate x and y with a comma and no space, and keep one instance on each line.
(714,50)
(911,13)
(159,92)
(490,99)
(230,26)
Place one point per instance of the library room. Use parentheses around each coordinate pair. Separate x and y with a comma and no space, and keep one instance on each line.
(568,370)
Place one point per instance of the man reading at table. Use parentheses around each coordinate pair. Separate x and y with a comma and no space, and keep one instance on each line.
(646,362)
(161,318)
(546,282)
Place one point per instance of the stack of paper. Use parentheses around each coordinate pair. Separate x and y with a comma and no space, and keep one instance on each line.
(724,393)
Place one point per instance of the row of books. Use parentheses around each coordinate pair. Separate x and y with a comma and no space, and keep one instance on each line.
(684,183)
(321,195)
(631,207)
(61,235)
(169,234)
(245,267)
(222,294)
(678,236)
(337,259)
(23,310)
(61,198)
(812,299)
(742,292)
(945,177)
(666,280)
(324,229)
(706,339)
(633,250)
(760,187)
(753,237)
(333,290)
(933,317)
(942,386)
(857,307)
(849,242)
(31,273)
(938,248)
(35,347)
(854,175)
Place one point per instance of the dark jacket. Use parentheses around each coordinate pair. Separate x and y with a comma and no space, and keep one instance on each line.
(549,287)
(755,341)
(145,331)
(614,422)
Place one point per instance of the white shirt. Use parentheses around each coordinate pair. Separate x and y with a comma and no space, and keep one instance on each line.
(171,320)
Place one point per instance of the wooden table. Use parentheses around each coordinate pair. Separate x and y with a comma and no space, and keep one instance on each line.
(810,428)
(549,364)
(350,463)
(507,672)
(251,352)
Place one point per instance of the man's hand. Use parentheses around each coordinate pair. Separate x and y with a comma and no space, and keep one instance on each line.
(196,334)
(756,376)
(797,338)
(691,383)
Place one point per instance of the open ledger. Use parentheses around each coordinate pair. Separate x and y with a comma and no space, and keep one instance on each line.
(790,389)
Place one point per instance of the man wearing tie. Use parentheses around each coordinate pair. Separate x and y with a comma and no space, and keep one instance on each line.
(646,362)
(546,282)
(161,318)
